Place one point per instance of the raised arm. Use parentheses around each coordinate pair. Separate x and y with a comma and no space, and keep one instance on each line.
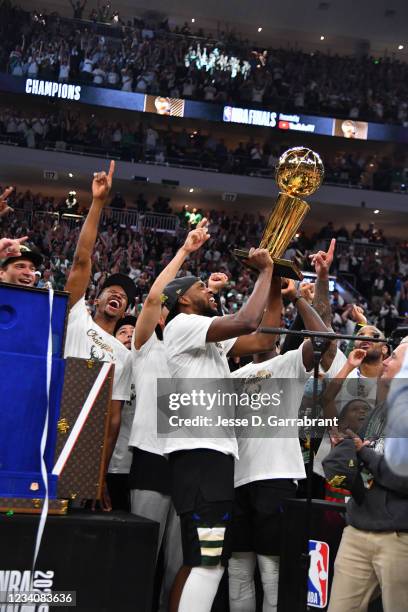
(247,319)
(321,262)
(333,388)
(262,346)
(151,311)
(4,207)
(80,273)
(311,320)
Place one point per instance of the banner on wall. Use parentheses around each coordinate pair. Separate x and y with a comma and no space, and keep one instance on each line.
(192,109)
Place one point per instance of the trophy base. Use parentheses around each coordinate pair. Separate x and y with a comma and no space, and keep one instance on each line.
(21,505)
(284,268)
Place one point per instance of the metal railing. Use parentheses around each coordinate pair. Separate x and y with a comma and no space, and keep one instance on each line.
(159,222)
(359,248)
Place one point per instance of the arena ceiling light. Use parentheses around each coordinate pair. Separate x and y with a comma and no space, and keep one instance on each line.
(259,29)
(322,37)
(400,47)
(193,20)
(70,175)
(376,211)
(191,190)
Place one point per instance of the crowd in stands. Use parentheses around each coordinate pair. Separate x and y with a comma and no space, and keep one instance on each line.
(149,58)
(377,269)
(142,142)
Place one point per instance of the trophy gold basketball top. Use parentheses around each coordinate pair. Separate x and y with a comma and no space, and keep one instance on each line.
(299,173)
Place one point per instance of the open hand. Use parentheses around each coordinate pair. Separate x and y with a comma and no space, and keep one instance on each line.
(356,357)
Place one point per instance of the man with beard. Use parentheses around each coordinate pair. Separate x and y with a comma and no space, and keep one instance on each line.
(269,466)
(358,377)
(197,343)
(373,553)
(149,474)
(92,337)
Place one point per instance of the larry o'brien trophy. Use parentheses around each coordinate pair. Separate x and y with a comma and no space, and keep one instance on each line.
(299,173)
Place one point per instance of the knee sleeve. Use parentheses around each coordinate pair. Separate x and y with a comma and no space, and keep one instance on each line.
(269,570)
(241,569)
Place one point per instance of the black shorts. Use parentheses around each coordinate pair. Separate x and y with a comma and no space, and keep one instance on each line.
(202,488)
(149,472)
(257,515)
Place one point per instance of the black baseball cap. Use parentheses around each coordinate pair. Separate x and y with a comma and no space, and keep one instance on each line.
(128,320)
(124,281)
(175,289)
(29,252)
(341,468)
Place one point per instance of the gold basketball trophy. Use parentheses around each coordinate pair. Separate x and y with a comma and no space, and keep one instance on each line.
(299,173)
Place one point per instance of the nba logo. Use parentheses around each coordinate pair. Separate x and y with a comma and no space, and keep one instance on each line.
(227,113)
(317,584)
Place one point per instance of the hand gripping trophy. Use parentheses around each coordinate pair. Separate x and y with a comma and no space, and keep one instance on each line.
(299,173)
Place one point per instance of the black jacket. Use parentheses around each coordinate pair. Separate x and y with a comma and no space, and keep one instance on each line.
(384,506)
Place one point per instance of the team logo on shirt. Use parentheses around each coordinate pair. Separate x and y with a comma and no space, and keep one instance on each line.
(100,350)
(318,579)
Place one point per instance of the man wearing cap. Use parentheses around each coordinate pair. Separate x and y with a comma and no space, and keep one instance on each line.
(149,473)
(119,466)
(19,262)
(92,337)
(197,343)
(373,554)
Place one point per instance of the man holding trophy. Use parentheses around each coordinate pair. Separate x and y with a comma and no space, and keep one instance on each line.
(269,466)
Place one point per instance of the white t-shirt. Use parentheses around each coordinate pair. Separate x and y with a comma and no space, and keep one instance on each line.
(354,385)
(64,71)
(85,339)
(270,457)
(337,363)
(189,355)
(122,456)
(149,364)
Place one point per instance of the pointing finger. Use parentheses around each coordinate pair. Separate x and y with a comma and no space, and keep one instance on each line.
(111,168)
(332,247)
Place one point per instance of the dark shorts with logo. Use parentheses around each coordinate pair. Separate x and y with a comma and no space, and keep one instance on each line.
(257,515)
(202,489)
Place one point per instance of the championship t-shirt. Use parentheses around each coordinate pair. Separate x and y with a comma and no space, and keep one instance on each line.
(149,364)
(85,339)
(274,454)
(190,356)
